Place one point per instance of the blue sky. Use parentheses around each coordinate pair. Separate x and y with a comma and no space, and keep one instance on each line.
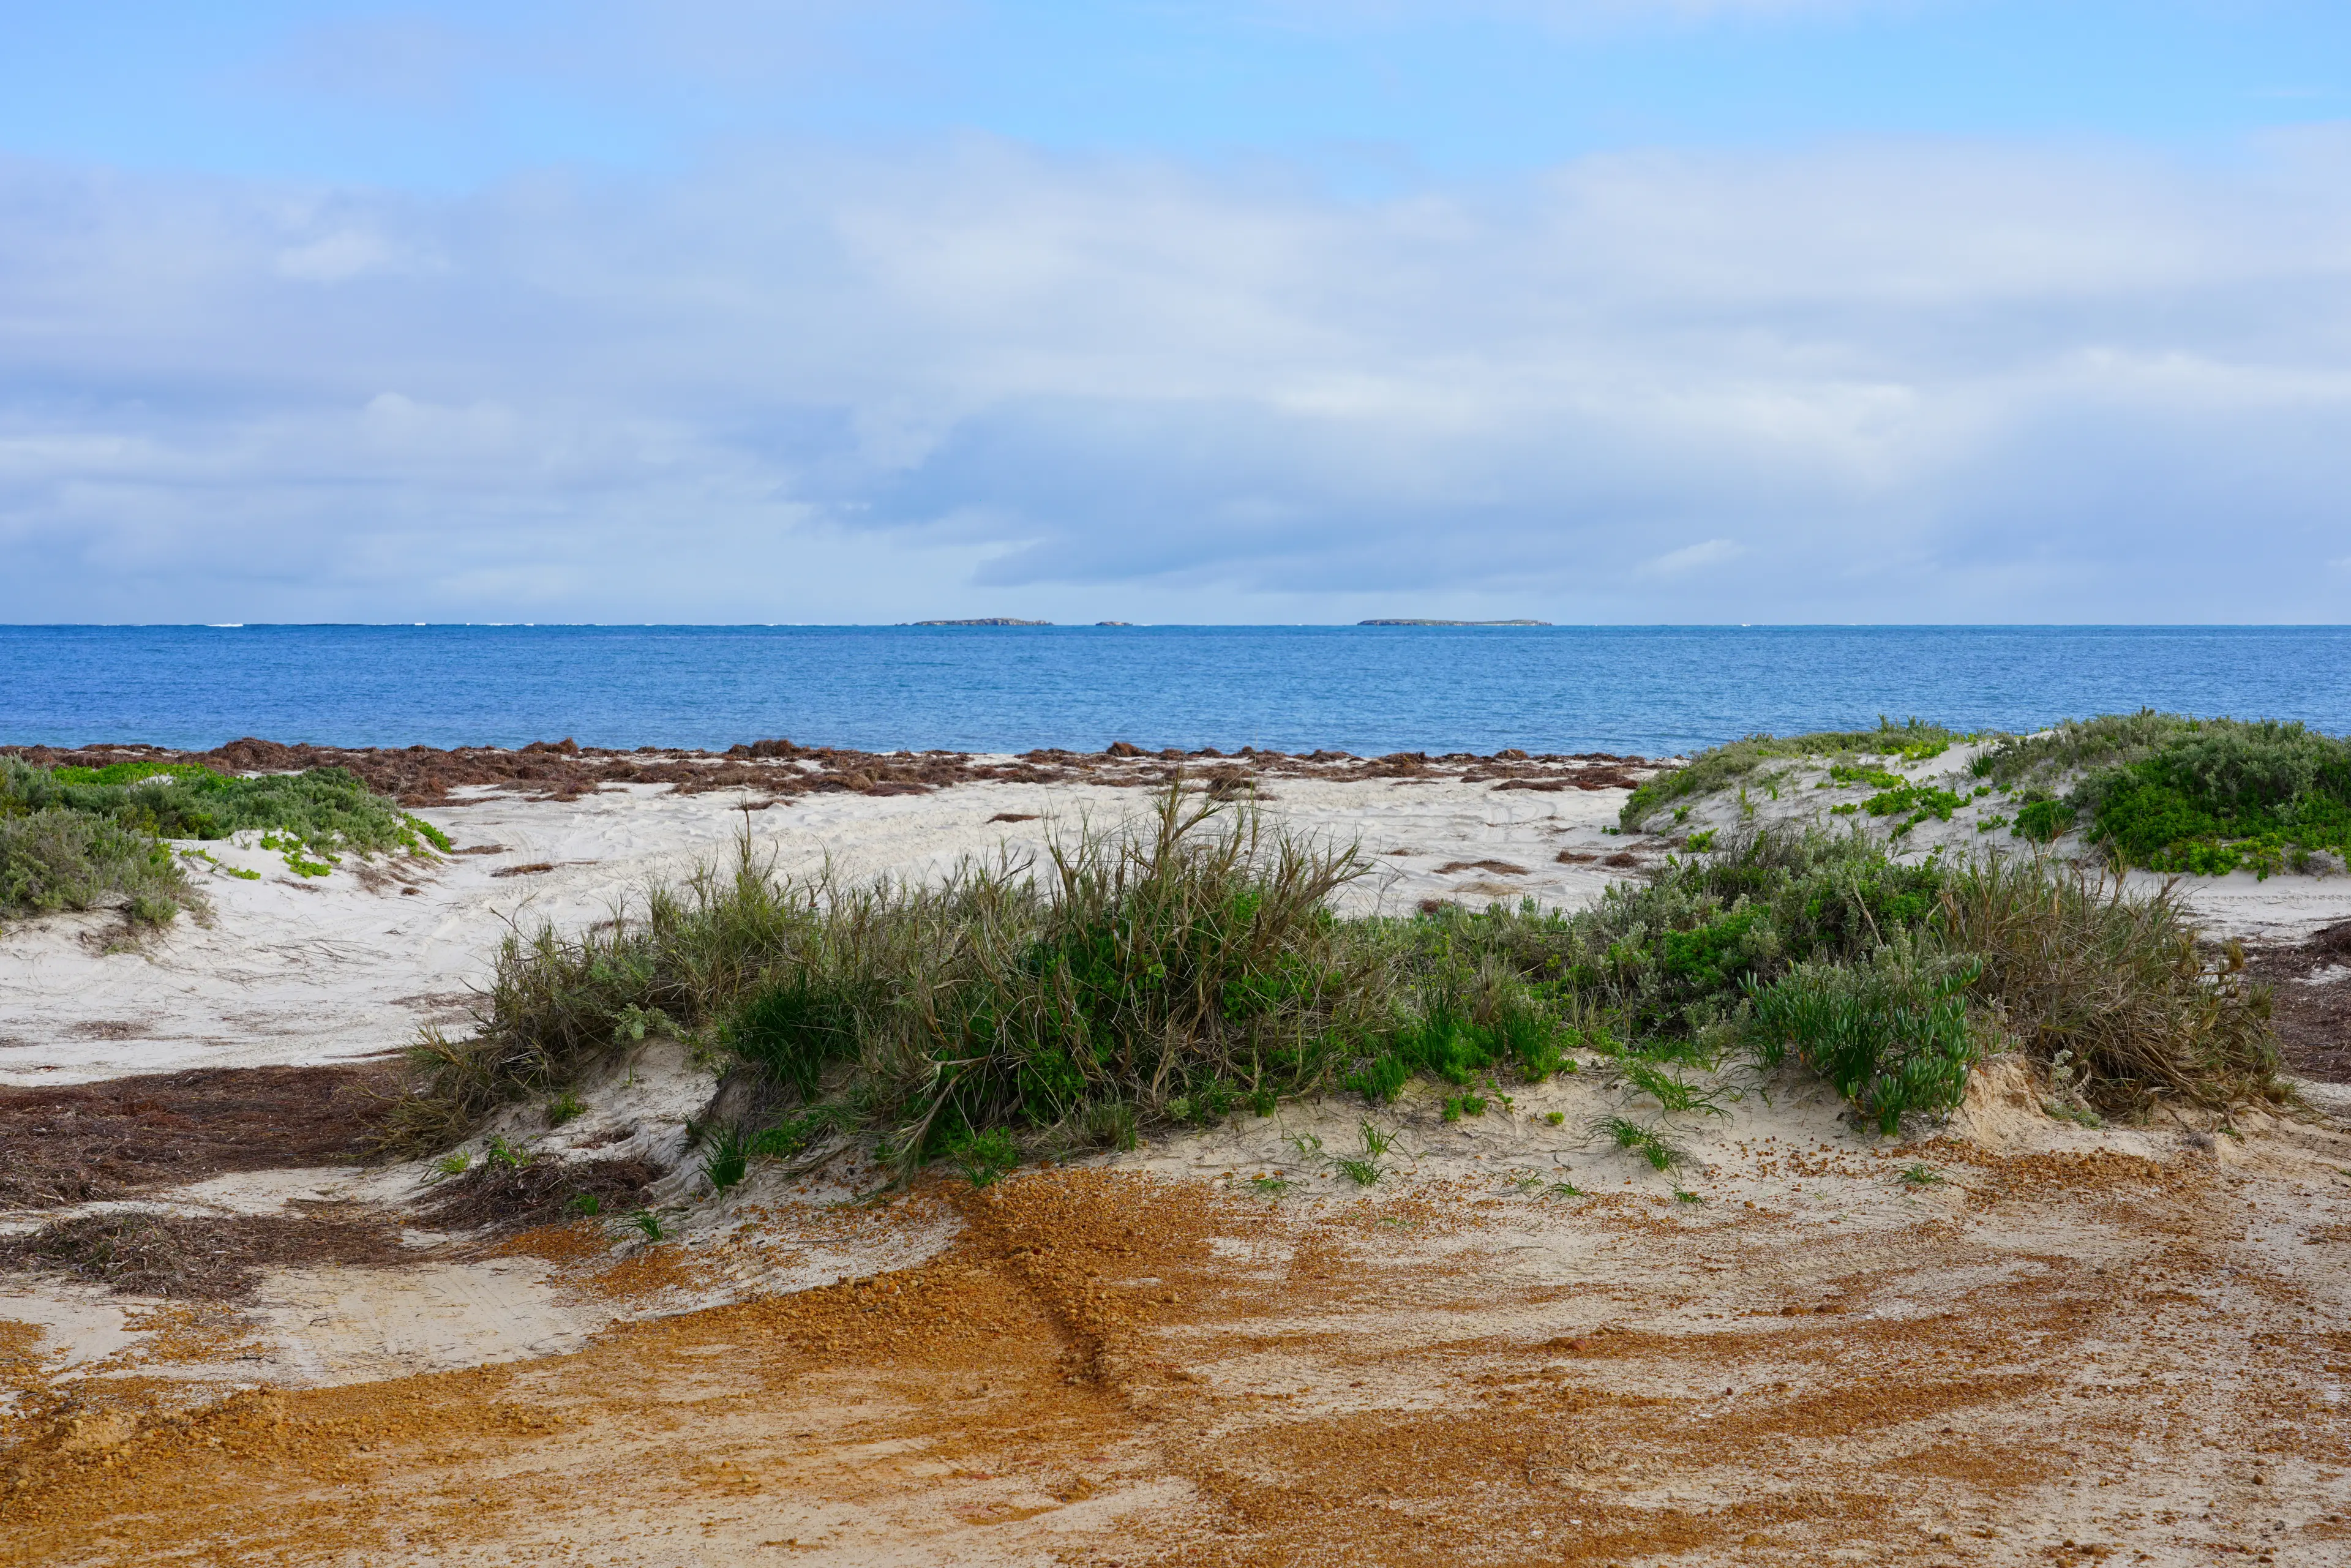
(1293,309)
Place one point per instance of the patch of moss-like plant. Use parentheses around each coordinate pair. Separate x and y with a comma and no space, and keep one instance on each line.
(72,837)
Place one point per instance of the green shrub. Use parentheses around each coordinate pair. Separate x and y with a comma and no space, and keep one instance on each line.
(53,859)
(2043,820)
(2178,794)
(312,818)
(1891,1032)
(325,811)
(2112,983)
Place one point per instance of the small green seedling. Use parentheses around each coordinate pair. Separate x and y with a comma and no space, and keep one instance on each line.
(1563,1189)
(988,1158)
(453,1165)
(1921,1176)
(1671,1091)
(1376,1143)
(1555,1118)
(507,1155)
(648,1223)
(565,1107)
(1630,1134)
(1308,1146)
(1363,1173)
(586,1205)
(728,1160)
(1268,1187)
(1681,1195)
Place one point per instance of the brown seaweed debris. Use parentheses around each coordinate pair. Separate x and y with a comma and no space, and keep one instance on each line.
(566,770)
(204,1258)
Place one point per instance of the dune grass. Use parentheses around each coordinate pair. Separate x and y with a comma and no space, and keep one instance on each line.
(74,837)
(1175,975)
(1194,970)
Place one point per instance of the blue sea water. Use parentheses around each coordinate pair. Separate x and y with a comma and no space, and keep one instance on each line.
(1651,690)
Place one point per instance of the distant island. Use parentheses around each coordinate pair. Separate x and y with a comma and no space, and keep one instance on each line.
(1452,623)
(982,621)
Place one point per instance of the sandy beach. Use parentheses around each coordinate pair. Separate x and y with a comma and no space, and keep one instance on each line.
(2047,1341)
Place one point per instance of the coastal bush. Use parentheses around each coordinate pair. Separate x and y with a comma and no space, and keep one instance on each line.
(127,809)
(1887,978)
(1724,766)
(2178,794)
(326,810)
(52,859)
(1891,1032)
(2112,982)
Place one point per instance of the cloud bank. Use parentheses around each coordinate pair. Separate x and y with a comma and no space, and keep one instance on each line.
(1875,381)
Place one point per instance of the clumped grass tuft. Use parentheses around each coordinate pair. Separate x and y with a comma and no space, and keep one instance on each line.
(1179,974)
(2110,986)
(1646,1141)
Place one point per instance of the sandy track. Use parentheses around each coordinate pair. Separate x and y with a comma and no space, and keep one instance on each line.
(2144,1357)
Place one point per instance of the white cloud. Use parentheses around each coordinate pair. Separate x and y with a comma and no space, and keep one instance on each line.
(1911,382)
(1691,558)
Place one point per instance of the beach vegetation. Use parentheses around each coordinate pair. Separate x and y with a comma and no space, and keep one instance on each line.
(72,837)
(1648,1143)
(1194,969)
(2171,793)
(53,860)
(1724,767)
(726,1158)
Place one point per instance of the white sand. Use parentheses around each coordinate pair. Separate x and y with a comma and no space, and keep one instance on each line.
(294,971)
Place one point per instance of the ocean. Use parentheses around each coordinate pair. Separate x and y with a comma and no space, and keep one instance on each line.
(1652,690)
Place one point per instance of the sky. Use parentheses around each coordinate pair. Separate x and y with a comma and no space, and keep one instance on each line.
(1253,311)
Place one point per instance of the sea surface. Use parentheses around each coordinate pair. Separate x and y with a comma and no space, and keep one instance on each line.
(1652,690)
